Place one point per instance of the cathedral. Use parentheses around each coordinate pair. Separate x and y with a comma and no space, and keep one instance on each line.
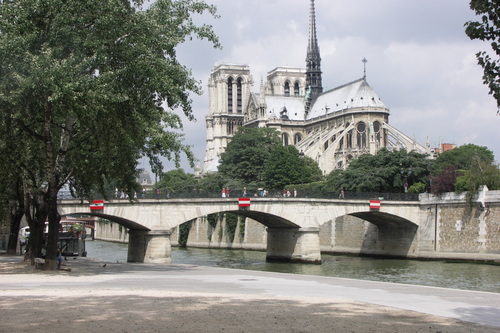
(332,127)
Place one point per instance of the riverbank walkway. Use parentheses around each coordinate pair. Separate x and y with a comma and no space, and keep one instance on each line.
(96,296)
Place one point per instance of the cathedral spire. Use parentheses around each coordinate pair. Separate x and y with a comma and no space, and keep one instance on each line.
(313,61)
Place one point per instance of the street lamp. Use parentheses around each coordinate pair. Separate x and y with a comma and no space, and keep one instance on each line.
(405,173)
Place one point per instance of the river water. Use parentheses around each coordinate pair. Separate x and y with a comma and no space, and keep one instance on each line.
(467,276)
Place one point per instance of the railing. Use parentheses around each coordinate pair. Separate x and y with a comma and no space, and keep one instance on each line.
(256,194)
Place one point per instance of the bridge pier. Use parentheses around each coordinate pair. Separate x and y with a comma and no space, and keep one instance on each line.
(149,246)
(293,245)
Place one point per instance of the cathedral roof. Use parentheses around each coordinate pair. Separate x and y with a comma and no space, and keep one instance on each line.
(294,106)
(357,94)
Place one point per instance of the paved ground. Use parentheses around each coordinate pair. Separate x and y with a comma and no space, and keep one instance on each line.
(183,298)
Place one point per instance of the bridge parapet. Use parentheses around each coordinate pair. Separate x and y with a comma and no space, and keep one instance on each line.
(483,196)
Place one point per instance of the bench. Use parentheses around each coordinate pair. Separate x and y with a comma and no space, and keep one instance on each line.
(39,263)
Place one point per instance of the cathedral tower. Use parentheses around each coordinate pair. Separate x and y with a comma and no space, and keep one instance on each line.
(313,62)
(229,88)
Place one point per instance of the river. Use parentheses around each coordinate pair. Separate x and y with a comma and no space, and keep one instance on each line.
(467,276)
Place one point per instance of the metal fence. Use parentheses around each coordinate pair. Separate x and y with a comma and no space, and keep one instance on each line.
(255,193)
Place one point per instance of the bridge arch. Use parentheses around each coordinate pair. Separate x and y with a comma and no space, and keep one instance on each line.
(382,219)
(372,232)
(266,219)
(131,225)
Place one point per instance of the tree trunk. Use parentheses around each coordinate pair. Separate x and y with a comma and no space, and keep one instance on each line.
(37,225)
(53,235)
(16,215)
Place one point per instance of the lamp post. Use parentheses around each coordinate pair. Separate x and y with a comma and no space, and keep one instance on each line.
(405,172)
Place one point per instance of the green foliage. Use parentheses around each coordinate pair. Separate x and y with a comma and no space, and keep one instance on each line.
(177,181)
(481,174)
(388,171)
(213,182)
(462,168)
(242,226)
(487,29)
(463,158)
(285,166)
(212,220)
(220,233)
(246,154)
(77,227)
(184,233)
(417,188)
(256,158)
(83,86)
(231,224)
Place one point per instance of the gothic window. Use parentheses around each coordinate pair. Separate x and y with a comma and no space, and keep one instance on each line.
(349,139)
(230,95)
(297,138)
(296,90)
(376,129)
(361,135)
(284,136)
(287,88)
(239,95)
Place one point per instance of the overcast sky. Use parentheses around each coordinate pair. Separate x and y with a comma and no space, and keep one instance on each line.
(420,62)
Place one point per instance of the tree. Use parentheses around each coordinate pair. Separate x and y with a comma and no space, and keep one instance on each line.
(445,180)
(480,174)
(488,29)
(387,171)
(213,182)
(285,166)
(177,181)
(463,169)
(90,86)
(247,153)
(463,158)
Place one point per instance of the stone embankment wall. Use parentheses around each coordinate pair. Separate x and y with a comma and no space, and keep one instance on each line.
(110,231)
(454,226)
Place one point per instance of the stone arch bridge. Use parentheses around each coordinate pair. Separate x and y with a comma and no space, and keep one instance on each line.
(293,224)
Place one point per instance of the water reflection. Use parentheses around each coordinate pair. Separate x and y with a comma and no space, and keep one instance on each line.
(468,276)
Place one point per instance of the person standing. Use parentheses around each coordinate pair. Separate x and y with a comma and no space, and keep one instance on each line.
(59,258)
(341,195)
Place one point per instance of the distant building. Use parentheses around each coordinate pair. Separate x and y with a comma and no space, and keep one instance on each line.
(332,127)
(442,148)
(145,180)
